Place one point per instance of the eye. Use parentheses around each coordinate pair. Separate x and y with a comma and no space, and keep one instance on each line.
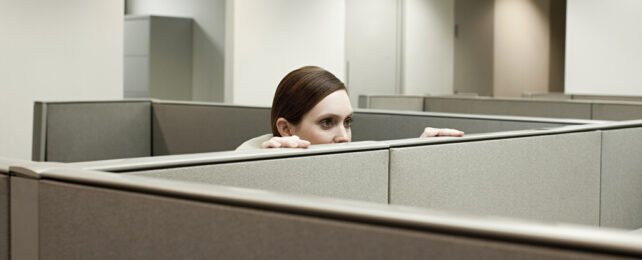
(326,123)
(348,122)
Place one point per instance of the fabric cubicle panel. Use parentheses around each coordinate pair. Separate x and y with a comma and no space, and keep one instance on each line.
(621,204)
(516,107)
(174,227)
(86,131)
(551,177)
(355,175)
(194,128)
(614,111)
(4,216)
(390,126)
(411,103)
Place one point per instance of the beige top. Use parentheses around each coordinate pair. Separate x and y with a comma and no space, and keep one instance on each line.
(254,143)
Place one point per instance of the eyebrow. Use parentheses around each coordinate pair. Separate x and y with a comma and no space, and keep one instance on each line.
(334,115)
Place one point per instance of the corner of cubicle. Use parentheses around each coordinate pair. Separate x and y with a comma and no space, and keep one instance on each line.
(70,131)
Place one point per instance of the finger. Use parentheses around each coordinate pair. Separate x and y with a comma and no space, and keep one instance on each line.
(429,132)
(271,144)
(288,143)
(450,132)
(304,143)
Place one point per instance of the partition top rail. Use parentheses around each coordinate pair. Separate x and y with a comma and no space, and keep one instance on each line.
(131,164)
(557,235)
(571,100)
(197,103)
(94,101)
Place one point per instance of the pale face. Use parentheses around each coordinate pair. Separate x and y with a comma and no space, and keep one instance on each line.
(328,122)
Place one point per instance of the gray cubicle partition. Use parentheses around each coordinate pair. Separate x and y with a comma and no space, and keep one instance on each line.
(4,208)
(92,130)
(556,106)
(621,197)
(86,214)
(392,102)
(85,131)
(550,177)
(579,174)
(507,106)
(605,110)
(184,127)
(357,170)
(371,124)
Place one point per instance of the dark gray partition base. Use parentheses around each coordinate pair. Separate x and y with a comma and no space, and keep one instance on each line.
(80,222)
(552,178)
(4,216)
(193,128)
(355,175)
(621,204)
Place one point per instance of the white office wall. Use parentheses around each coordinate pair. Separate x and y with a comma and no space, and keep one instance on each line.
(371,47)
(208,41)
(55,50)
(428,47)
(603,53)
(270,38)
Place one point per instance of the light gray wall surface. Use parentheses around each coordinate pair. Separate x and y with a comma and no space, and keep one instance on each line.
(355,175)
(621,204)
(517,107)
(388,126)
(552,178)
(97,130)
(614,111)
(193,128)
(174,228)
(4,216)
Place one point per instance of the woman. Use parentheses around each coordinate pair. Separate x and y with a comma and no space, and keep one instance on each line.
(311,106)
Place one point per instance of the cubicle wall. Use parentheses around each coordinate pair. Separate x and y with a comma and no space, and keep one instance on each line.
(549,177)
(551,108)
(388,125)
(180,128)
(147,218)
(617,111)
(583,174)
(515,107)
(621,203)
(4,211)
(392,102)
(85,131)
(357,171)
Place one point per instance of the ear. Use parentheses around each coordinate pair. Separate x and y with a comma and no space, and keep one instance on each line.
(284,127)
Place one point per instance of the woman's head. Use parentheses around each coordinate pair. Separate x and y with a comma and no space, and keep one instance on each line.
(313,104)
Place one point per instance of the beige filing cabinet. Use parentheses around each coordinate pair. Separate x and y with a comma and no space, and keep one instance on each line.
(158,57)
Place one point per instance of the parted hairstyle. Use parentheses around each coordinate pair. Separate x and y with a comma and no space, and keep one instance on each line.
(299,92)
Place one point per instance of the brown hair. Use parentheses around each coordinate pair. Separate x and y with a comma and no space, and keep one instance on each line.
(299,92)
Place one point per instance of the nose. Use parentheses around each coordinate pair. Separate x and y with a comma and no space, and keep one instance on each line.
(341,135)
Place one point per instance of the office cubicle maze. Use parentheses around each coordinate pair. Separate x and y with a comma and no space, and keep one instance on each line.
(89,131)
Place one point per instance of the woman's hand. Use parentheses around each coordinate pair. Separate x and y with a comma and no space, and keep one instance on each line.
(285,142)
(432,132)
